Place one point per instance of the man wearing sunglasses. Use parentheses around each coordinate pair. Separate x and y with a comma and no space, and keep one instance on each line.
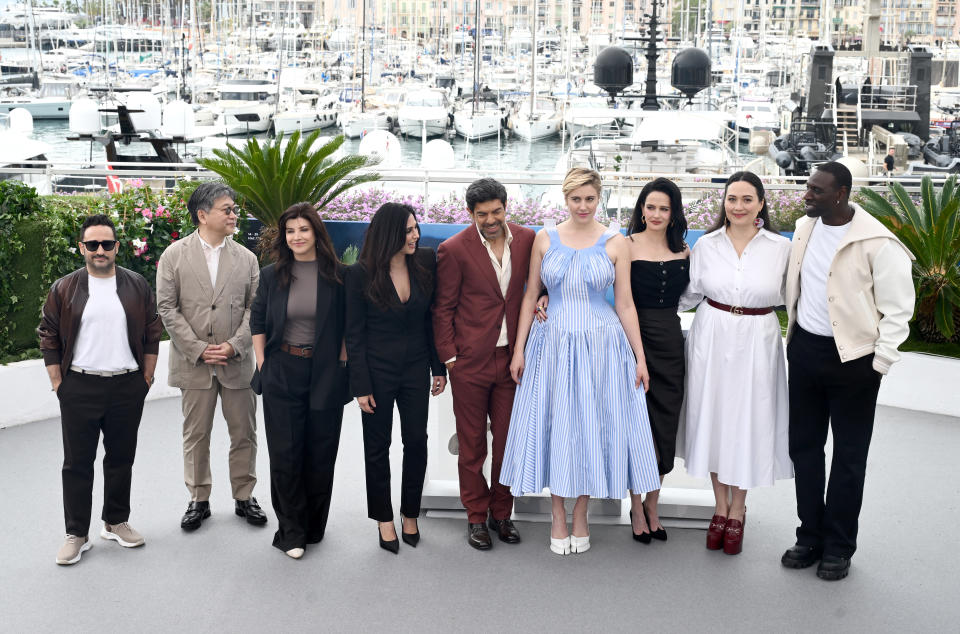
(99,334)
(206,283)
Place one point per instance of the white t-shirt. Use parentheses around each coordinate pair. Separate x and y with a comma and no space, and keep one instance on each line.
(102,340)
(812,313)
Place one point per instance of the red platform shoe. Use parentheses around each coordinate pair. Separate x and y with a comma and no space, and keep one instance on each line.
(733,536)
(716,531)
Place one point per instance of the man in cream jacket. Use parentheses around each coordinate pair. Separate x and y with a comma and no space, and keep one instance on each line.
(850,297)
(205,287)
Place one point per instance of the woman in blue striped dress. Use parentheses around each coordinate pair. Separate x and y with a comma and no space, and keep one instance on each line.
(579,424)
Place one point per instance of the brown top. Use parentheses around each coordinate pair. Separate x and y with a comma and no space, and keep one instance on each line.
(300,328)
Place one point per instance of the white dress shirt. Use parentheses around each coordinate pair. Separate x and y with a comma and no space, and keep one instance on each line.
(503,271)
(212,255)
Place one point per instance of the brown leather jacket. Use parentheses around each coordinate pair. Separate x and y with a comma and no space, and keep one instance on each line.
(64,306)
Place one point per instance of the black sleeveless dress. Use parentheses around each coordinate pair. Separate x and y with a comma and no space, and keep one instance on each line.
(657,287)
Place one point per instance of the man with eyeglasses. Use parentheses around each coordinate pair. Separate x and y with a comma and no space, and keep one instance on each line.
(99,335)
(206,283)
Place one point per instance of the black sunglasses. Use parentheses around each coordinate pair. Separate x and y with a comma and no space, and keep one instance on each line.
(93,245)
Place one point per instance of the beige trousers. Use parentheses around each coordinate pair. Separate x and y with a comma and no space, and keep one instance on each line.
(239,407)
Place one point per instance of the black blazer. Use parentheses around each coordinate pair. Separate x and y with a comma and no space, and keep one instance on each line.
(382,344)
(268,315)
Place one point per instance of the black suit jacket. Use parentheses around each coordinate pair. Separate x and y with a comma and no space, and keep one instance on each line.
(268,315)
(384,344)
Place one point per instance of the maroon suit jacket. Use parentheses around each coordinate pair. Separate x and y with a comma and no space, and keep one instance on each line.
(468,306)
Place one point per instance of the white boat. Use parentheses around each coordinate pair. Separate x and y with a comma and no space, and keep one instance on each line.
(539,122)
(314,114)
(663,141)
(754,114)
(588,114)
(354,123)
(15,149)
(51,102)
(244,106)
(424,111)
(478,119)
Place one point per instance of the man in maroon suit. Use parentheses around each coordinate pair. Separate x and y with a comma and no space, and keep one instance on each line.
(481,272)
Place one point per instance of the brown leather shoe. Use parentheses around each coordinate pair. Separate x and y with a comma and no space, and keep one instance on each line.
(478,537)
(506,531)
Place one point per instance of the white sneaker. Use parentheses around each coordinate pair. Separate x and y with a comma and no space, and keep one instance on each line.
(123,534)
(560,546)
(296,553)
(72,548)
(579,544)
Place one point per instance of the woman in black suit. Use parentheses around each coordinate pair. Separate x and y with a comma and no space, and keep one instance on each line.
(390,344)
(297,324)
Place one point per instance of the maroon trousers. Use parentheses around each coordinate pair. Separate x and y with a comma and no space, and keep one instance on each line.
(475,397)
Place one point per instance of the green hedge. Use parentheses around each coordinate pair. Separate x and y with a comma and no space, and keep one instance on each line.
(39,244)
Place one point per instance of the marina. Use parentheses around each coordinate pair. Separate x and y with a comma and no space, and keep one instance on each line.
(642,89)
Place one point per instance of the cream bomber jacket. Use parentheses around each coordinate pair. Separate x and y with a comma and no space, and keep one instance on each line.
(870,294)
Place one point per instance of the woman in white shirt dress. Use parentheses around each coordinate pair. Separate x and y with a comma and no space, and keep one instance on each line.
(736,407)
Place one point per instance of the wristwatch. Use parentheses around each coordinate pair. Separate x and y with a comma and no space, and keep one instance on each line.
(151,380)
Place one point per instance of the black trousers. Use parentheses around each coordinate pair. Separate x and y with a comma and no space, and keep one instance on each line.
(302,444)
(90,405)
(410,390)
(824,391)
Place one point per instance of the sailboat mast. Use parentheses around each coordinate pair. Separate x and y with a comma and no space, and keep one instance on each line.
(363,58)
(476,55)
(533,58)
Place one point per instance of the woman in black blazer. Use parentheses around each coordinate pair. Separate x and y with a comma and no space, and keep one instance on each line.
(391,349)
(297,323)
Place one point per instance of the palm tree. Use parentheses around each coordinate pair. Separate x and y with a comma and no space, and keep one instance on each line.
(270,178)
(932,233)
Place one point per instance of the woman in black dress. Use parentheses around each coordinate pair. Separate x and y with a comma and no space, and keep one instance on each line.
(659,273)
(392,354)
(297,323)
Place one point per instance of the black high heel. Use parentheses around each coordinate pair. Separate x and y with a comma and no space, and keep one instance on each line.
(660,533)
(393,545)
(411,539)
(643,538)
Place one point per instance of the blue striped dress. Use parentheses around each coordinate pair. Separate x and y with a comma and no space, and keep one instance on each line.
(578,425)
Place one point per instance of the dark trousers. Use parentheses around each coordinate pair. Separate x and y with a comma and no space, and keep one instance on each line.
(475,397)
(90,405)
(824,391)
(410,390)
(302,444)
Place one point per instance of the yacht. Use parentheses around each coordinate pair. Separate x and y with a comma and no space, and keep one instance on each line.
(244,106)
(52,101)
(756,114)
(537,121)
(478,117)
(424,111)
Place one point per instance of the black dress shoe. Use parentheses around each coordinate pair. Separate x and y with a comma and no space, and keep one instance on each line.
(478,537)
(196,513)
(801,556)
(833,568)
(250,510)
(393,545)
(506,531)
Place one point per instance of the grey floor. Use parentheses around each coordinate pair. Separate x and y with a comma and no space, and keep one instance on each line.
(226,576)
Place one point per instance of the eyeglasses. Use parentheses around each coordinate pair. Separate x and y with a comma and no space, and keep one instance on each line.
(93,245)
(231,210)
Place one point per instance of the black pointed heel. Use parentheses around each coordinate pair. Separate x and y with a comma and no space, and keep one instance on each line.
(659,534)
(411,539)
(643,538)
(393,545)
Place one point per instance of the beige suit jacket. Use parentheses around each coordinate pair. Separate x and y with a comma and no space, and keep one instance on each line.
(197,314)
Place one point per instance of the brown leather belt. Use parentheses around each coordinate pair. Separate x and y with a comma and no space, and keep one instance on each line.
(740,310)
(304,352)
